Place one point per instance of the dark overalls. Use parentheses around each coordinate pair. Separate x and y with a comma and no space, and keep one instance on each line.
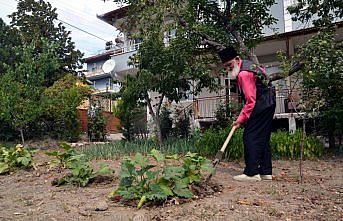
(258,127)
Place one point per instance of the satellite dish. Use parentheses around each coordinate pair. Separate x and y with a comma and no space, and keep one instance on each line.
(108,66)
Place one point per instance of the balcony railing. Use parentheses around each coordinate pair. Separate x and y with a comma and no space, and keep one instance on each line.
(206,107)
(119,50)
(95,73)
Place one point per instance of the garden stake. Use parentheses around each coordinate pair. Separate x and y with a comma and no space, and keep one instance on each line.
(220,153)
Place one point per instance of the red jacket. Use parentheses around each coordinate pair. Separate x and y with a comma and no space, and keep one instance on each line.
(247,82)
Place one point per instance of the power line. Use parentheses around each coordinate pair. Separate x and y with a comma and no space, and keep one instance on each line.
(82,30)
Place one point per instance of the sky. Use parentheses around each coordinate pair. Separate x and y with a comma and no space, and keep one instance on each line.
(79,13)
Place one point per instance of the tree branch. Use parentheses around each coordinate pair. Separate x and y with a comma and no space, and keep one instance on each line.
(212,43)
(238,37)
(295,68)
(228,9)
(159,105)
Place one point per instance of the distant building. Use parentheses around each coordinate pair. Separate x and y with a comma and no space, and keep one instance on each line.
(290,35)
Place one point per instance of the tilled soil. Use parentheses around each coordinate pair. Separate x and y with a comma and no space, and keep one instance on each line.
(29,195)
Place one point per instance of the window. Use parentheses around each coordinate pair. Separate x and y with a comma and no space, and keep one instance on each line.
(94,67)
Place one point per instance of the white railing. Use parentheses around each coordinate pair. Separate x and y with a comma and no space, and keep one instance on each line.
(206,107)
(94,73)
(119,50)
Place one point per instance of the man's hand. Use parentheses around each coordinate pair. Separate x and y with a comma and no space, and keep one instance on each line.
(237,124)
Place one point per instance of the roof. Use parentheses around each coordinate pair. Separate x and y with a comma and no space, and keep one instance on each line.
(298,32)
(115,14)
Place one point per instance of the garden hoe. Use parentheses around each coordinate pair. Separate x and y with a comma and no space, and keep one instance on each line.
(220,153)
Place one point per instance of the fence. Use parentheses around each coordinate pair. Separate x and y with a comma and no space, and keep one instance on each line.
(205,107)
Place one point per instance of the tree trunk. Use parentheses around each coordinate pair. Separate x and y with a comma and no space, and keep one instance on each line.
(22,136)
(331,138)
(302,152)
(159,131)
(156,120)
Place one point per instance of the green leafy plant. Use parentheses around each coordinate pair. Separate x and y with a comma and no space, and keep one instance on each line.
(17,157)
(286,145)
(213,139)
(182,123)
(282,144)
(61,101)
(166,122)
(141,180)
(96,122)
(80,171)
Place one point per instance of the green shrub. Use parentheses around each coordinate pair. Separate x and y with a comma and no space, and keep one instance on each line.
(286,145)
(166,122)
(132,118)
(142,180)
(61,101)
(213,139)
(182,123)
(96,123)
(282,143)
(17,157)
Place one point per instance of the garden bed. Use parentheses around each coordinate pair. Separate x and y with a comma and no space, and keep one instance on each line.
(29,195)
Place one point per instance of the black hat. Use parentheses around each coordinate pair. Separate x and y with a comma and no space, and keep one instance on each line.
(227,54)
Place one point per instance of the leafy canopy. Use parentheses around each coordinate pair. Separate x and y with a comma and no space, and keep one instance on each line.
(37,20)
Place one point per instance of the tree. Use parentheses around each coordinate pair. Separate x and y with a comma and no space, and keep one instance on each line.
(211,23)
(322,80)
(323,13)
(322,75)
(61,101)
(202,27)
(169,71)
(22,86)
(9,39)
(36,20)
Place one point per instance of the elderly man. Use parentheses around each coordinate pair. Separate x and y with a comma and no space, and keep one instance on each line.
(257,114)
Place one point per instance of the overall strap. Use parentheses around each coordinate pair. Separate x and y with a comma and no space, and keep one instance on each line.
(248,65)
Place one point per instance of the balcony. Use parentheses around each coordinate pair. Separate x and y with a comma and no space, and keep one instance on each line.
(204,108)
(106,89)
(96,74)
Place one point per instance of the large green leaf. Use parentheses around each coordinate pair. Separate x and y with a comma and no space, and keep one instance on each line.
(173,173)
(4,168)
(166,189)
(141,160)
(24,161)
(156,193)
(207,167)
(104,169)
(152,174)
(145,169)
(181,189)
(158,156)
(127,169)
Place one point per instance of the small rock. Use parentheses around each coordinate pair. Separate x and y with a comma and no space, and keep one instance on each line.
(85,213)
(101,206)
(140,216)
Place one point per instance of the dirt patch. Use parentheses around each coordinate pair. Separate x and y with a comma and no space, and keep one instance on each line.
(29,195)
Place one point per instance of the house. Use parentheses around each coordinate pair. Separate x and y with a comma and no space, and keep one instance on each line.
(290,35)
(103,86)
